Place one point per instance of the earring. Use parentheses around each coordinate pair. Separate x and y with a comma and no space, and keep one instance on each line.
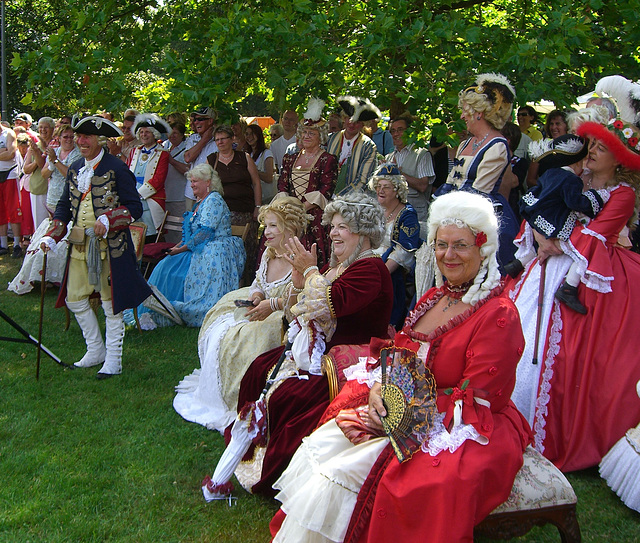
(479,117)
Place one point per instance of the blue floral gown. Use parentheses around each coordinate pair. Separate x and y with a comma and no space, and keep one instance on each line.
(193,281)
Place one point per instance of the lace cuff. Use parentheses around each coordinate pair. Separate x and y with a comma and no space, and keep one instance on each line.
(438,439)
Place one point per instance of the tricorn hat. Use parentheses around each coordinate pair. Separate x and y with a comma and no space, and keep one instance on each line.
(562,151)
(359,109)
(150,120)
(95,126)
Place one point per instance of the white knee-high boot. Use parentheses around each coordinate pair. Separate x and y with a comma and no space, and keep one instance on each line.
(114,338)
(90,331)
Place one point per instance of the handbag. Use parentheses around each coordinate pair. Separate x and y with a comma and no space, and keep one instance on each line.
(4,174)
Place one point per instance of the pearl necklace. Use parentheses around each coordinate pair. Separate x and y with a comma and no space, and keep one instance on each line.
(392,212)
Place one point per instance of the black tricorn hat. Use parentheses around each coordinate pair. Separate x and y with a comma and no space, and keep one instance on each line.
(562,151)
(359,109)
(95,126)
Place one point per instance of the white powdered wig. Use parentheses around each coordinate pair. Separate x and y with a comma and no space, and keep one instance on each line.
(475,212)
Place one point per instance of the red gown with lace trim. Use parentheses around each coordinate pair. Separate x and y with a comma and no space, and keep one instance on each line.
(586,391)
(441,498)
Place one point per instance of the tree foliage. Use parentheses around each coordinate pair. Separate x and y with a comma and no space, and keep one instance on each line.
(404,54)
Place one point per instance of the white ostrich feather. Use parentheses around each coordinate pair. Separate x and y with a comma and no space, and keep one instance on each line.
(314,109)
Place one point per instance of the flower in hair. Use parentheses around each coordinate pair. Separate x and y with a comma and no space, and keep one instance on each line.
(481,239)
(618,124)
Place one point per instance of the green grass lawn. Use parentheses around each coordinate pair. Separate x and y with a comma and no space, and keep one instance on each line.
(84,460)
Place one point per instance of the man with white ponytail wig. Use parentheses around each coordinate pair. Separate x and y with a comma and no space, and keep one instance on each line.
(150,164)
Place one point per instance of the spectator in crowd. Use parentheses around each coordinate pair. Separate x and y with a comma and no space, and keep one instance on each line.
(57,164)
(123,146)
(24,120)
(263,159)
(55,170)
(33,164)
(356,153)
(275,131)
(514,181)
(200,144)
(150,163)
(382,138)
(239,131)
(242,191)
(289,122)
(9,198)
(607,103)
(556,124)
(416,165)
(527,117)
(175,183)
(335,123)
(310,175)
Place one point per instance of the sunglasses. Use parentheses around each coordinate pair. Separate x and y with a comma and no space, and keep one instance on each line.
(201,119)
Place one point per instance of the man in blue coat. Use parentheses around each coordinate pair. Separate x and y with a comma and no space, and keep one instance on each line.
(101,200)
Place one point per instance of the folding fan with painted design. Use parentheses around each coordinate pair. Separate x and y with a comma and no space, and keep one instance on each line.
(409,396)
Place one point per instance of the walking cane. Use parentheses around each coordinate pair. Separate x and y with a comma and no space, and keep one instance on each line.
(543,273)
(43,288)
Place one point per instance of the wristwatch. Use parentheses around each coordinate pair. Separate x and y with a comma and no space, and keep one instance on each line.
(55,161)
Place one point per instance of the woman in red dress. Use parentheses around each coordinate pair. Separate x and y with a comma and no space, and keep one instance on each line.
(577,397)
(468,334)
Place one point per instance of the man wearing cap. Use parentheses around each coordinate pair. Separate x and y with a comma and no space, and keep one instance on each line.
(101,200)
(25,121)
(356,152)
(415,164)
(200,145)
(150,163)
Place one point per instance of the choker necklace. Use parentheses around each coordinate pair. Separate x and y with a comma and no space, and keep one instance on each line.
(456,291)
(478,143)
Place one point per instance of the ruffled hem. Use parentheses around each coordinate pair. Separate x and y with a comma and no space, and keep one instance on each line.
(620,469)
(591,279)
(316,492)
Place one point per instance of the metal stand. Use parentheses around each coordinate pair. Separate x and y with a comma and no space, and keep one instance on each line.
(28,338)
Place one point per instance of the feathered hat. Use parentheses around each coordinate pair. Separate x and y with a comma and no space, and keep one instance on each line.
(150,120)
(313,116)
(496,88)
(555,153)
(622,139)
(626,94)
(359,109)
(93,125)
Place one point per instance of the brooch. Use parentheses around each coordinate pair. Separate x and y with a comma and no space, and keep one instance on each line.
(108,199)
